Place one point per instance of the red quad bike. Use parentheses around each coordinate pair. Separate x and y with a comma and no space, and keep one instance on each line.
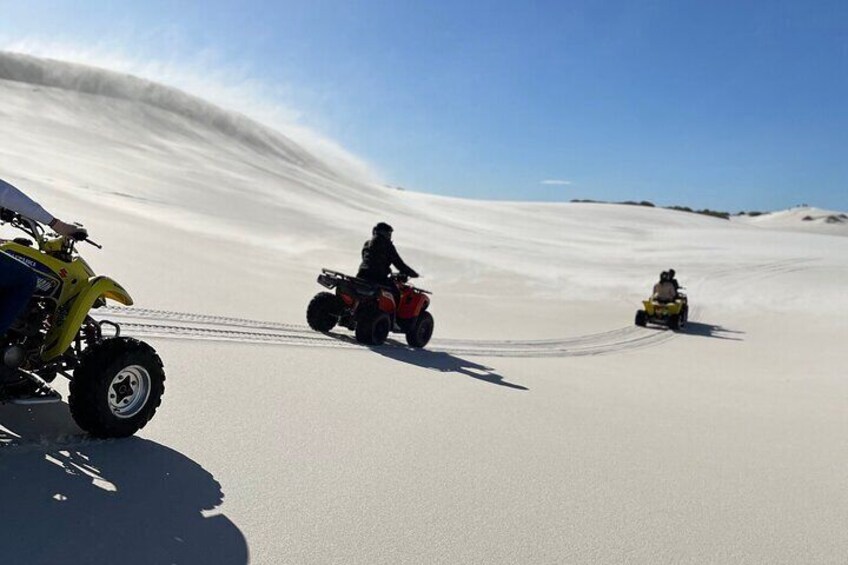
(370,309)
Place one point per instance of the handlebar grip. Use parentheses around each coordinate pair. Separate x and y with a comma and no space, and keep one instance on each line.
(79,235)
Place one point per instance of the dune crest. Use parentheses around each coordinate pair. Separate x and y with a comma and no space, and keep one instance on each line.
(94,81)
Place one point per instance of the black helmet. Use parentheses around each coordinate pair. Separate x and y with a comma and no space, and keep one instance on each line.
(671,273)
(664,276)
(382,230)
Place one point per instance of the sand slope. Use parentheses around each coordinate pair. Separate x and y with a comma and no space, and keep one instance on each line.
(540,427)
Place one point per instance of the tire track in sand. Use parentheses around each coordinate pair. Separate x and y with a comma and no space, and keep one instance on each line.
(142,322)
(168,324)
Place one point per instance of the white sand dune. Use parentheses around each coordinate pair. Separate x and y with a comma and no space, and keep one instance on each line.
(801,218)
(541,426)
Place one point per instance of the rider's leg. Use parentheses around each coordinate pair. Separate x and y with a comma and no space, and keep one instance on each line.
(388,284)
(17,283)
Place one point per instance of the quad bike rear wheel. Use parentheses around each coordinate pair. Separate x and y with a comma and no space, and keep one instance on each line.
(641,318)
(373,327)
(674,322)
(324,311)
(116,388)
(421,331)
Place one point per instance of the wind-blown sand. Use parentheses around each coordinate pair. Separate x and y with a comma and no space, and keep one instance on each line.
(541,426)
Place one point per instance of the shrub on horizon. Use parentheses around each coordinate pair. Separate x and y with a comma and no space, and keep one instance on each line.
(715,213)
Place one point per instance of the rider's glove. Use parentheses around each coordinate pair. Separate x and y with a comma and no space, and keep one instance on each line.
(78,233)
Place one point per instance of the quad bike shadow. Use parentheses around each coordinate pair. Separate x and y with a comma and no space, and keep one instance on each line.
(70,499)
(701,329)
(711,330)
(435,360)
(445,363)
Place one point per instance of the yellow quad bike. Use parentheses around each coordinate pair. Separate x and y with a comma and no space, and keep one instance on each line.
(116,382)
(673,314)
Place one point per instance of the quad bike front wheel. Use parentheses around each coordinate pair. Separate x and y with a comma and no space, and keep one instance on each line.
(421,331)
(373,327)
(323,311)
(116,388)
(641,318)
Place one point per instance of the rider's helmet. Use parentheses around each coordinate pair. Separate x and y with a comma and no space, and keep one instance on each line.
(671,274)
(382,230)
(664,276)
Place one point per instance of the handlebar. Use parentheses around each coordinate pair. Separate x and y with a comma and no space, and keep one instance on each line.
(403,278)
(37,231)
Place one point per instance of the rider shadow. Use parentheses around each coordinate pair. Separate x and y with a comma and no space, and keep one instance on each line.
(445,363)
(434,360)
(710,330)
(68,498)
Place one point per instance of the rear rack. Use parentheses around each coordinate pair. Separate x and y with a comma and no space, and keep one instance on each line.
(330,279)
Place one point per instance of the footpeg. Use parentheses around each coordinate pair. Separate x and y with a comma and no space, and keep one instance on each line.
(41,397)
(41,392)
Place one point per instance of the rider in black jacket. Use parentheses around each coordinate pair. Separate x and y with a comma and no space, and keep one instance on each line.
(672,278)
(378,256)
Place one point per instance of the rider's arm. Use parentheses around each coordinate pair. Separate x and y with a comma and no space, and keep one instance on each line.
(16,201)
(398,262)
(13,199)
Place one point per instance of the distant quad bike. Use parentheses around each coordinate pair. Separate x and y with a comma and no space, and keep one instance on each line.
(370,310)
(673,314)
(116,383)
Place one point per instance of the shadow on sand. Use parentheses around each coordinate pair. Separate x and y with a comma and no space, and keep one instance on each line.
(709,330)
(434,360)
(443,362)
(70,499)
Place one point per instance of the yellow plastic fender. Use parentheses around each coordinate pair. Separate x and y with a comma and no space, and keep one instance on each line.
(669,308)
(97,287)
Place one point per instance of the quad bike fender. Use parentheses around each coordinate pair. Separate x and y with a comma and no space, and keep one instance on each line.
(349,300)
(654,309)
(98,288)
(412,304)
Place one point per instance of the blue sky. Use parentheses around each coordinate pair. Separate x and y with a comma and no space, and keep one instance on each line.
(728,105)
